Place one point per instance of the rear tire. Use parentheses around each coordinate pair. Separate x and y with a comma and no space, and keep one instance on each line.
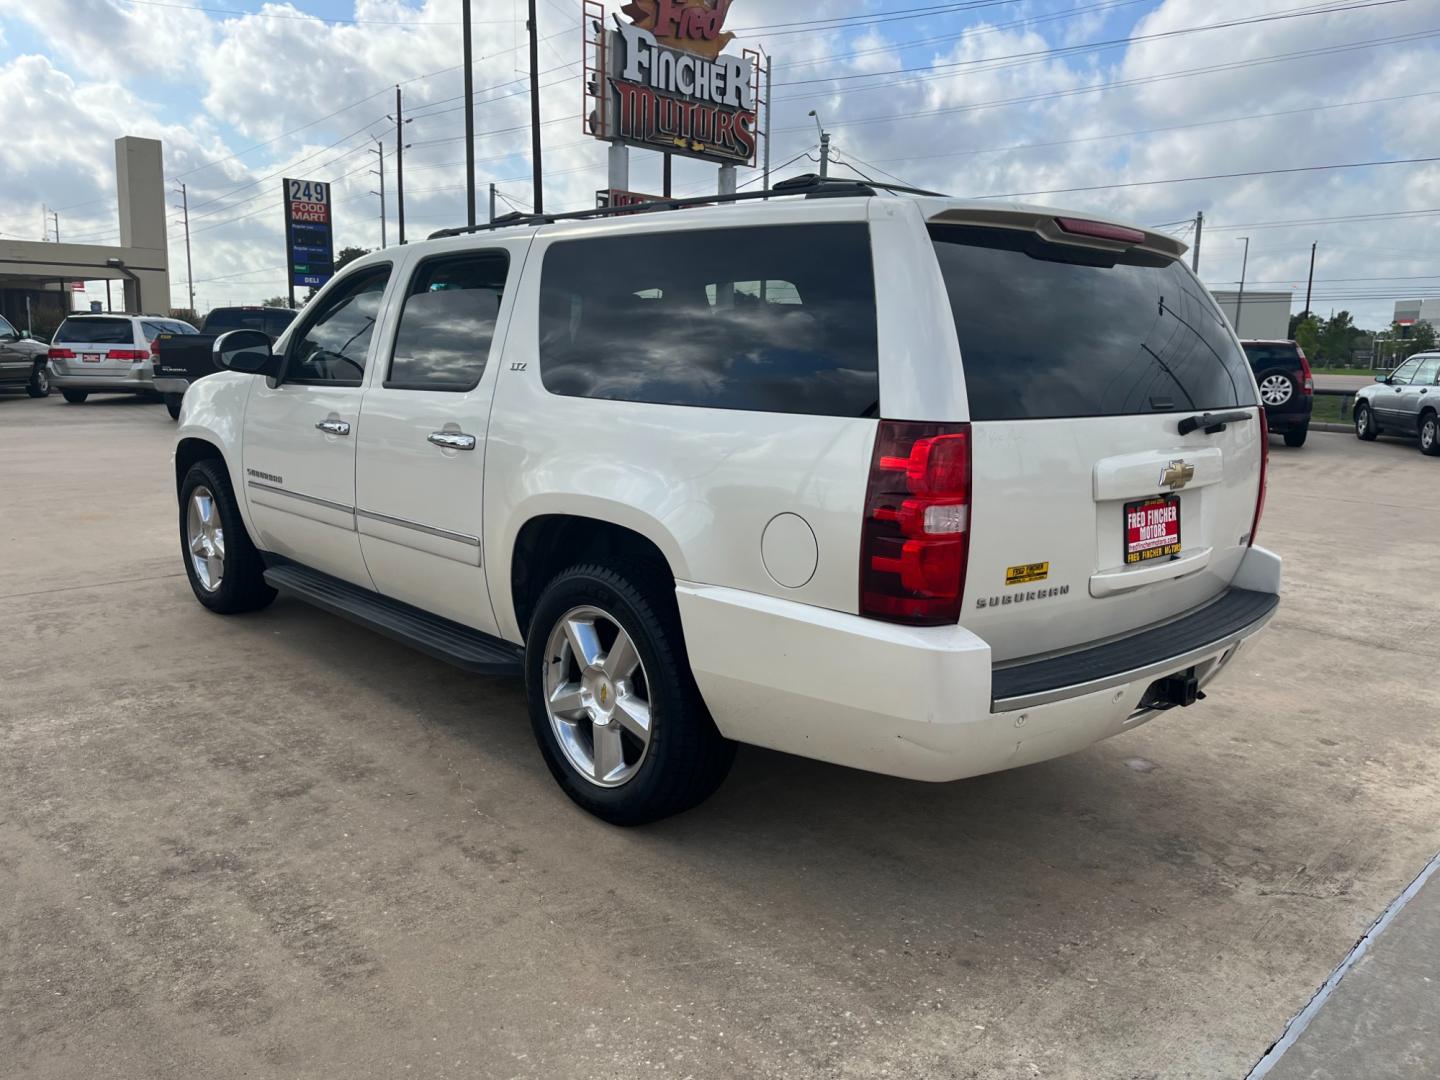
(681,758)
(39,384)
(75,397)
(1429,435)
(172,405)
(1296,436)
(1365,428)
(237,583)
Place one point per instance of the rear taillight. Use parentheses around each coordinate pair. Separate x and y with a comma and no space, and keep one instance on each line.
(917,520)
(155,348)
(129,354)
(61,354)
(1101,230)
(1264,476)
(1307,379)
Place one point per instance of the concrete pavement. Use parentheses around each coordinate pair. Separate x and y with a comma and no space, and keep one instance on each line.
(281,846)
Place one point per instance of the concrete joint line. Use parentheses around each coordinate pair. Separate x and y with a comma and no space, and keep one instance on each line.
(1301,1020)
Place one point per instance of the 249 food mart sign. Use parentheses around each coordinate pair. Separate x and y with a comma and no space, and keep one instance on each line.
(309,234)
(661,81)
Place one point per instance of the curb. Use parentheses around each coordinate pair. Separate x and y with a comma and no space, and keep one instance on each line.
(1333,427)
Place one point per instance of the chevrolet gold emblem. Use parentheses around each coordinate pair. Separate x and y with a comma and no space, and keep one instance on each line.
(1176,475)
(604,693)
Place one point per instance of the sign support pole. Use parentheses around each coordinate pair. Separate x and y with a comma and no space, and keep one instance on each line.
(538,181)
(469,118)
(727,180)
(619,157)
(399,166)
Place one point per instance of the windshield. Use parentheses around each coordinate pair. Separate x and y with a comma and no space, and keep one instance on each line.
(1057,330)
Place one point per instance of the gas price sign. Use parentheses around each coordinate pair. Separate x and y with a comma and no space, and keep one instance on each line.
(309,239)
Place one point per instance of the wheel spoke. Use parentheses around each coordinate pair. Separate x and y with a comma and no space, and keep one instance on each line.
(566,702)
(203,505)
(632,712)
(622,659)
(609,755)
(584,642)
(217,538)
(197,544)
(215,567)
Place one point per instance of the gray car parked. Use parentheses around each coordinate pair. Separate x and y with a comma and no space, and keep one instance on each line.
(1404,402)
(22,361)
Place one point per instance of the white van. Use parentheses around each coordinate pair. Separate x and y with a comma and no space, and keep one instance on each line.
(911,484)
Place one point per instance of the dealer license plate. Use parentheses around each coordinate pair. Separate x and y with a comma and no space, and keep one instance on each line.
(1152,529)
(92,357)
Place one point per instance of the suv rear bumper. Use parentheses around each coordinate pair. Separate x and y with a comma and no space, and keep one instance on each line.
(918,702)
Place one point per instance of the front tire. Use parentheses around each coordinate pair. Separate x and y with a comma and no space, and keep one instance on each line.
(39,384)
(225,571)
(1365,428)
(614,707)
(75,397)
(1296,436)
(1430,435)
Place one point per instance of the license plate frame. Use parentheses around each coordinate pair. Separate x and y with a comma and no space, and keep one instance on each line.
(1136,546)
(91,357)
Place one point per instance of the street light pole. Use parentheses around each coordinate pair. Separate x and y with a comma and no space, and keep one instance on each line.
(399,167)
(1240,296)
(824,146)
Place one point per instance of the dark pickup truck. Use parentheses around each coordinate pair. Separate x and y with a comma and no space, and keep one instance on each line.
(180,359)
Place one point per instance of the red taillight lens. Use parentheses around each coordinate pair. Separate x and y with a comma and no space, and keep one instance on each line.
(917,519)
(154,348)
(1307,379)
(1264,476)
(1100,229)
(61,354)
(128,354)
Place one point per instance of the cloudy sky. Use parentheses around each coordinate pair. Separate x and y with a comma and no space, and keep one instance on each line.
(1084,102)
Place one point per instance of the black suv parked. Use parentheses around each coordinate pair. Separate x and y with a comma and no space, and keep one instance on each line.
(1287,390)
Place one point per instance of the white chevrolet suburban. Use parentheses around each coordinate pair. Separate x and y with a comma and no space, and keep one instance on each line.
(903,482)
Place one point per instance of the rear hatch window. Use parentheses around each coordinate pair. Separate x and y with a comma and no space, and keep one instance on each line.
(96,332)
(1057,330)
(1272,354)
(221,320)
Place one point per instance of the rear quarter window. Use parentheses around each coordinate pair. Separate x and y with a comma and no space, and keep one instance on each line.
(96,332)
(768,319)
(1058,330)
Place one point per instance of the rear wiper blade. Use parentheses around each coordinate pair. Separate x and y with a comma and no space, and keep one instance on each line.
(1212,422)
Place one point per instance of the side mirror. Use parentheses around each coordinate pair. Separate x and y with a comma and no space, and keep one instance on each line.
(24,335)
(246,351)
(1382,378)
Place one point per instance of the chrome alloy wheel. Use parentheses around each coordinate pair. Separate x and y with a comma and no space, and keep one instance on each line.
(1362,420)
(41,380)
(1429,433)
(205,536)
(1276,390)
(597,696)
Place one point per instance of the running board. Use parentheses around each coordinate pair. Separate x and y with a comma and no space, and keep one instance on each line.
(445,640)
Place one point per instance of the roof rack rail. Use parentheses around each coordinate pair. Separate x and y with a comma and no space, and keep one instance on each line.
(808,185)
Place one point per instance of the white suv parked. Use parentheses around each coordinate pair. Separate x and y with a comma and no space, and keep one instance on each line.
(921,486)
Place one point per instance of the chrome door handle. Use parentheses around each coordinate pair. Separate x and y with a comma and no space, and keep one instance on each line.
(452,440)
(334,427)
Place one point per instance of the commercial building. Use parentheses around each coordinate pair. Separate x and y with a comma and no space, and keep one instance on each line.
(1262,315)
(1410,312)
(36,277)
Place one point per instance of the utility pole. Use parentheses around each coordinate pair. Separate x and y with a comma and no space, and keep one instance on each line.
(400,166)
(824,147)
(1240,296)
(1310,284)
(56,215)
(665,178)
(189,269)
(44,223)
(1195,251)
(379,151)
(532,26)
(469,116)
(492,202)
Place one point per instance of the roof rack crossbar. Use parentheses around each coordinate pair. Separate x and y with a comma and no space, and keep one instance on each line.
(808,185)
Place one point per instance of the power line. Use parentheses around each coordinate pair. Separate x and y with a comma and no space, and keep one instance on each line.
(1145,80)
(305,17)
(1213,176)
(1036,55)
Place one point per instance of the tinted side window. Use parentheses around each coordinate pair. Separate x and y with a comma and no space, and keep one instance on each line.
(769,319)
(1428,371)
(1056,330)
(6,330)
(276,320)
(448,322)
(332,347)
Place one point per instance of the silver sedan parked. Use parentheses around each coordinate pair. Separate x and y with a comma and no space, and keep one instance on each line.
(1404,402)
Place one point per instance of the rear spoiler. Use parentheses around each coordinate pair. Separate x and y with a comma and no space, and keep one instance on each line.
(1060,227)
